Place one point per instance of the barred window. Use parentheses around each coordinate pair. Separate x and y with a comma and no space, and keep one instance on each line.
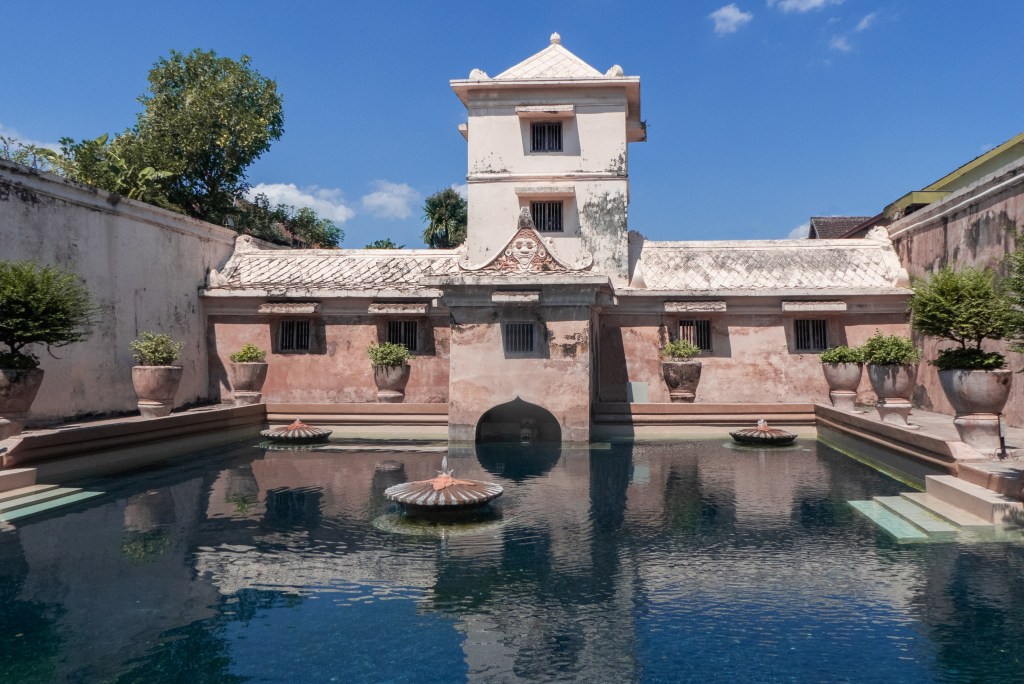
(293,336)
(547,216)
(404,332)
(519,337)
(810,335)
(696,332)
(546,136)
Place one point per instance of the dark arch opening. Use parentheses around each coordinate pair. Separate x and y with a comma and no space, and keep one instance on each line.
(518,422)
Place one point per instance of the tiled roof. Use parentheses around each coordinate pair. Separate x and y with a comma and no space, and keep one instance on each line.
(826,227)
(274,270)
(553,62)
(769,265)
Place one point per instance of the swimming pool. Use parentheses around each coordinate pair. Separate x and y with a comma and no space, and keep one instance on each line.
(624,562)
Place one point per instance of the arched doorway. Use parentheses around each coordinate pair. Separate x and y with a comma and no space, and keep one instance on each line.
(518,422)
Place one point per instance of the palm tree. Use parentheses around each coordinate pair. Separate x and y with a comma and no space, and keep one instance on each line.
(445,211)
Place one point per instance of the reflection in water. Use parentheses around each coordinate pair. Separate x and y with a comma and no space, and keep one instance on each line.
(660,562)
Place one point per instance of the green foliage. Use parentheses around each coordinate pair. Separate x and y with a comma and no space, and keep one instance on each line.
(205,120)
(680,350)
(145,547)
(40,305)
(843,354)
(1013,285)
(388,354)
(104,164)
(249,353)
(386,243)
(155,349)
(959,358)
(446,215)
(890,350)
(962,306)
(38,158)
(259,219)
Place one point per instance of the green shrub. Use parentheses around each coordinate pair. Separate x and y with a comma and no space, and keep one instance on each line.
(680,350)
(40,305)
(155,349)
(890,350)
(249,353)
(843,354)
(388,354)
(968,359)
(1014,284)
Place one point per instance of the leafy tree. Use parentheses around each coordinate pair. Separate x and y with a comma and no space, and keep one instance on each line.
(1014,287)
(259,219)
(40,305)
(313,230)
(386,243)
(446,214)
(205,120)
(102,163)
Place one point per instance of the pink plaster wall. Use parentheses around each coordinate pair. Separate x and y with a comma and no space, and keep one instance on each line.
(752,358)
(978,233)
(342,373)
(482,377)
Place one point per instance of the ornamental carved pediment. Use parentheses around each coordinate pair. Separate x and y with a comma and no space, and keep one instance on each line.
(525,253)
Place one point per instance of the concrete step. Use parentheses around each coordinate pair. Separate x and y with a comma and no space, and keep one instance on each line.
(948,512)
(16,478)
(900,528)
(919,517)
(25,491)
(978,501)
(33,499)
(45,506)
(1002,477)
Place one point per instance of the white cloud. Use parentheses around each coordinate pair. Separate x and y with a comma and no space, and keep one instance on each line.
(8,132)
(800,232)
(840,43)
(462,189)
(802,5)
(729,19)
(865,23)
(390,200)
(328,203)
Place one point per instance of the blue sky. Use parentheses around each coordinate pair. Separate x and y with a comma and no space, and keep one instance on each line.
(760,113)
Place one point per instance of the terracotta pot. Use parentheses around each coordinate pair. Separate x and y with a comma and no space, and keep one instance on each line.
(155,386)
(893,385)
(18,389)
(843,380)
(682,378)
(247,380)
(391,382)
(978,397)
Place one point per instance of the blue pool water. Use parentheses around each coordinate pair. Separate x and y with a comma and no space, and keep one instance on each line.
(690,561)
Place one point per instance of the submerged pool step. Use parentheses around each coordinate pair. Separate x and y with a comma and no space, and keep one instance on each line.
(25,491)
(919,517)
(893,523)
(32,499)
(948,512)
(76,496)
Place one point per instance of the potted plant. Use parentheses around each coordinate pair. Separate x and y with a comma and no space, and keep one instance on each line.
(892,370)
(390,370)
(843,367)
(681,372)
(38,305)
(156,377)
(247,373)
(967,308)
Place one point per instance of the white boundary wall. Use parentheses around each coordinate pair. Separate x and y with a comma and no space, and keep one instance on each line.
(144,267)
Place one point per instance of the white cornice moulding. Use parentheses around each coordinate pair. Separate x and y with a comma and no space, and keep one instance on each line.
(555,111)
(399,308)
(703,307)
(832,305)
(515,297)
(290,309)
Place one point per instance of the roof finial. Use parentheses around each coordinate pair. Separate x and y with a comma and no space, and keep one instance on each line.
(556,39)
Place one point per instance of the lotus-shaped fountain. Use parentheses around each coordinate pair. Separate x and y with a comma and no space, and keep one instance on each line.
(443,493)
(763,435)
(297,433)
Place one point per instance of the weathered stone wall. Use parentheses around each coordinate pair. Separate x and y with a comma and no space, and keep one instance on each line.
(144,267)
(753,357)
(977,226)
(338,370)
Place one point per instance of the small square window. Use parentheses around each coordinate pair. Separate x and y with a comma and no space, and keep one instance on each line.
(404,332)
(519,337)
(697,333)
(546,136)
(547,216)
(293,336)
(811,335)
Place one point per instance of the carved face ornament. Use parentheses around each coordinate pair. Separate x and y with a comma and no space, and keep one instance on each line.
(523,249)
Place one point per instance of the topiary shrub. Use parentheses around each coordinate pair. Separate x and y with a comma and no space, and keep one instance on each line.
(965,307)
(890,350)
(155,349)
(249,353)
(842,354)
(40,305)
(388,354)
(680,350)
